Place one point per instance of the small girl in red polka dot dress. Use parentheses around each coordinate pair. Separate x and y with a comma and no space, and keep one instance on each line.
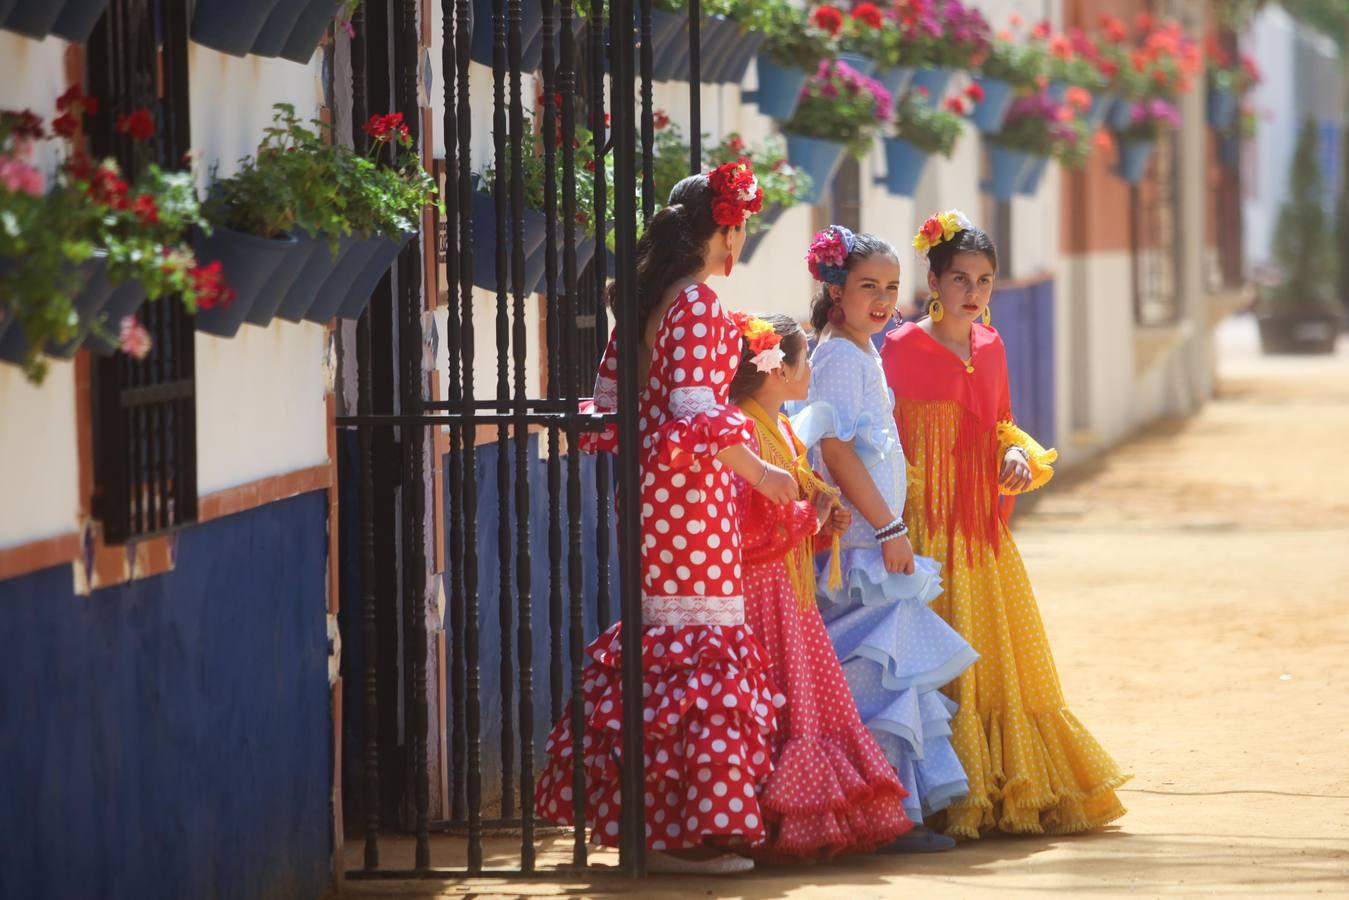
(709,708)
(832,790)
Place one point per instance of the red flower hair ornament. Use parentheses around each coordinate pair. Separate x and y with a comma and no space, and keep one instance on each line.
(736,194)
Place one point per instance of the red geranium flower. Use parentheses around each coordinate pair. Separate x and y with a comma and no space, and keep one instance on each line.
(139,124)
(75,101)
(1115,30)
(956,105)
(387,127)
(975,92)
(145,209)
(107,188)
(1144,22)
(208,282)
(827,18)
(66,125)
(868,14)
(1041,30)
(26,124)
(660,119)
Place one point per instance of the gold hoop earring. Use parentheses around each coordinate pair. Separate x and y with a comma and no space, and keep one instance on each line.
(988,316)
(935,311)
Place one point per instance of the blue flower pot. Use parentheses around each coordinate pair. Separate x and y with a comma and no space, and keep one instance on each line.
(5,7)
(1221,108)
(249,263)
(746,48)
(385,252)
(125,300)
(779,89)
(1101,105)
(1134,157)
(585,252)
(531,26)
(33,18)
(1121,114)
(1229,150)
(276,30)
(717,39)
(308,31)
(230,26)
(1033,175)
(934,81)
(904,165)
(819,159)
(78,18)
(989,115)
(313,273)
(766,221)
(665,27)
(275,292)
(1057,90)
(895,79)
(349,266)
(1005,170)
(535,226)
(89,303)
(862,65)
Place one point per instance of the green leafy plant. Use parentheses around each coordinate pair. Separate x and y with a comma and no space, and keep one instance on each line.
(934,131)
(838,104)
(1019,64)
(89,211)
(1304,243)
(792,38)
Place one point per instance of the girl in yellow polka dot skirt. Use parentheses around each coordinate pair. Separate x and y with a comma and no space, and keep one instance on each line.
(1032,766)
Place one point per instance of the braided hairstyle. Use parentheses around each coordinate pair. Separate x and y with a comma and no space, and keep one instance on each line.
(672,246)
(748,379)
(865,246)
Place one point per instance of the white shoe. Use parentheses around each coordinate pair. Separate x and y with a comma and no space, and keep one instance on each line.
(658,863)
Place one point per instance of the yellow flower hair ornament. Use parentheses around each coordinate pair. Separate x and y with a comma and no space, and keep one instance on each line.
(763,341)
(940,228)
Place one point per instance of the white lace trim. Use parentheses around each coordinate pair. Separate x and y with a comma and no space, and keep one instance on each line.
(686,402)
(680,611)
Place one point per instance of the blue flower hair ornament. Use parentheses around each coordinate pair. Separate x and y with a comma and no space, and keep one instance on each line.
(828,255)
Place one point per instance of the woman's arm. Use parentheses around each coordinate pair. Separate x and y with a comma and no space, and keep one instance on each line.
(774,483)
(851,475)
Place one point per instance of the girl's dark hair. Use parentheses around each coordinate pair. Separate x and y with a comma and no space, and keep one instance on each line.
(749,379)
(968,240)
(865,246)
(671,248)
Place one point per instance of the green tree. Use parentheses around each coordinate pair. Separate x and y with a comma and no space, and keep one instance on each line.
(1304,242)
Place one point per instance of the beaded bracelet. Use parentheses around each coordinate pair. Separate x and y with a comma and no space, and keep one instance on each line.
(895,528)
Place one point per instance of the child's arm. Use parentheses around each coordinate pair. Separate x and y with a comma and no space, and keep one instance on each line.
(851,475)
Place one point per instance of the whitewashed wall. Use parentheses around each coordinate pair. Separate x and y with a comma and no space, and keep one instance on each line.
(260,396)
(39,465)
(1272,42)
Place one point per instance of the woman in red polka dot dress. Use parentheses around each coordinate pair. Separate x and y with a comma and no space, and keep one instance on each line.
(708,708)
(832,790)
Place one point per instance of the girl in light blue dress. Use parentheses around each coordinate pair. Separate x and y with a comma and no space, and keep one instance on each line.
(896,652)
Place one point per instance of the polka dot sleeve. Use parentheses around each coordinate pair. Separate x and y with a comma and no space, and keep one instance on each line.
(699,349)
(605,400)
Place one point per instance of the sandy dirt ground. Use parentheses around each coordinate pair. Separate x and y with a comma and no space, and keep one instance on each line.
(1195,585)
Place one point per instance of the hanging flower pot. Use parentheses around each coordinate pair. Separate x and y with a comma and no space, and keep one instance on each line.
(5,7)
(78,18)
(531,26)
(308,31)
(862,65)
(1229,150)
(819,159)
(904,165)
(896,79)
(1134,157)
(332,293)
(716,39)
(32,18)
(670,55)
(779,88)
(1033,175)
(249,264)
(125,300)
(311,276)
(275,292)
(585,252)
(990,113)
(381,258)
(84,306)
(1221,108)
(933,80)
(1121,114)
(1005,170)
(1102,103)
(485,244)
(230,26)
(279,25)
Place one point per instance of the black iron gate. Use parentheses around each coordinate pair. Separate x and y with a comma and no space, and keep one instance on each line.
(397,412)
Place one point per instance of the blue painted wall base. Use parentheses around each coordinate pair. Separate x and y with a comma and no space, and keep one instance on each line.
(170,738)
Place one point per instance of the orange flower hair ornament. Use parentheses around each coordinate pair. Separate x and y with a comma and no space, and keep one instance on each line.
(939,229)
(764,341)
